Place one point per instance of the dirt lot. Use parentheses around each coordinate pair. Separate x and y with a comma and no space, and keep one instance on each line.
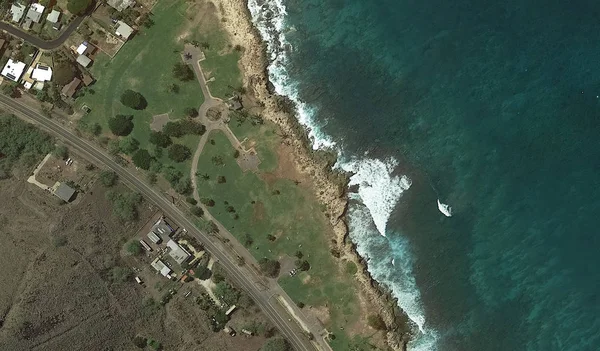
(58,288)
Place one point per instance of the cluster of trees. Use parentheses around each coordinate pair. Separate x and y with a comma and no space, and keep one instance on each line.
(134,100)
(179,153)
(183,72)
(121,125)
(226,293)
(79,7)
(269,267)
(182,184)
(183,127)
(276,344)
(125,205)
(108,178)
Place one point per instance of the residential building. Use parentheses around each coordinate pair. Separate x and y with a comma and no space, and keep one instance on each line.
(87,79)
(163,229)
(17,11)
(154,238)
(41,73)
(83,60)
(53,16)
(70,89)
(123,30)
(120,5)
(35,12)
(82,48)
(178,253)
(161,267)
(13,70)
(64,192)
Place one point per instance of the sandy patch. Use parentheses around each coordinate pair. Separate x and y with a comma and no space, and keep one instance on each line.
(159,121)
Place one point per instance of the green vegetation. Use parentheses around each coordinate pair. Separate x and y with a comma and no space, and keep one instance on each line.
(191,200)
(124,204)
(108,178)
(139,341)
(226,293)
(129,145)
(160,139)
(191,112)
(183,72)
(376,322)
(78,7)
(142,159)
(134,247)
(120,274)
(276,344)
(197,211)
(351,268)
(179,153)
(154,344)
(61,152)
(134,100)
(269,267)
(121,125)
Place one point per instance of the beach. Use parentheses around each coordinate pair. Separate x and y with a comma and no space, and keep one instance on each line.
(328,185)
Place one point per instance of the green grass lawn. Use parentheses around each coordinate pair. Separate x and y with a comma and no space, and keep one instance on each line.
(282,209)
(264,135)
(145,64)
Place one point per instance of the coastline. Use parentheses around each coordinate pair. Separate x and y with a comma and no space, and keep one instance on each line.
(329,186)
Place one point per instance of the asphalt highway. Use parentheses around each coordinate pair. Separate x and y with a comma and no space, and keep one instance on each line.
(243,277)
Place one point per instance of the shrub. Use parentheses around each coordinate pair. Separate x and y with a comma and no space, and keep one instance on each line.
(376,322)
(191,200)
(221,179)
(191,112)
(207,202)
(183,186)
(139,342)
(134,247)
(179,153)
(108,178)
(129,145)
(302,265)
(78,7)
(269,267)
(121,125)
(142,159)
(183,72)
(276,344)
(161,139)
(236,154)
(61,152)
(133,99)
(196,211)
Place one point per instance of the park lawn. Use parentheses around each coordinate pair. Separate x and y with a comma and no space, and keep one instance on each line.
(263,136)
(145,64)
(292,217)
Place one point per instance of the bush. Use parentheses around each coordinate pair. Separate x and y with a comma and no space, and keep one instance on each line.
(221,179)
(161,139)
(133,99)
(172,175)
(183,72)
(134,247)
(191,200)
(269,267)
(276,344)
(183,186)
(142,159)
(129,145)
(197,211)
(120,274)
(78,7)
(236,154)
(183,127)
(139,342)
(124,204)
(207,202)
(108,178)
(121,125)
(191,112)
(61,152)
(202,272)
(179,153)
(302,265)
(376,322)
(227,293)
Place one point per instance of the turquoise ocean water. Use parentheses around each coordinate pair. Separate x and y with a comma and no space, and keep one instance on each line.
(493,108)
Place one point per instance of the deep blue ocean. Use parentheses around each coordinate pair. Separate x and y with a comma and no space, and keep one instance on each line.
(492,107)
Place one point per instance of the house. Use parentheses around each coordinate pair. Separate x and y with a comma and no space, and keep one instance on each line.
(82,48)
(35,12)
(178,253)
(70,89)
(53,17)
(123,30)
(154,238)
(163,229)
(17,11)
(235,104)
(87,79)
(120,5)
(161,267)
(83,60)
(41,73)
(13,70)
(64,192)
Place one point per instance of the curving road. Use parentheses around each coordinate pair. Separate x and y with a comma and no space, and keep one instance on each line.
(243,277)
(40,43)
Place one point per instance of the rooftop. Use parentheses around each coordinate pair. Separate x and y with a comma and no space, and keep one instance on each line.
(124,30)
(160,267)
(120,5)
(64,192)
(35,12)
(13,70)
(177,252)
(83,60)
(162,228)
(81,48)
(53,16)
(17,11)
(70,89)
(41,73)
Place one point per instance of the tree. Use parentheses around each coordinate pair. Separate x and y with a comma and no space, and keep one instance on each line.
(129,145)
(63,73)
(173,88)
(140,342)
(179,153)
(196,211)
(191,200)
(61,152)
(124,204)
(226,293)
(221,179)
(299,254)
(207,202)
(302,265)
(276,344)
(173,129)
(161,139)
(269,267)
(376,322)
(183,72)
(133,99)
(248,240)
(183,186)
(108,178)
(113,147)
(171,174)
(134,247)
(121,125)
(10,89)
(191,112)
(78,7)
(142,159)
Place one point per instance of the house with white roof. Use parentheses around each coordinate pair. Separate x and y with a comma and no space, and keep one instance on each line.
(53,16)
(35,12)
(161,267)
(120,5)
(41,73)
(17,11)
(123,30)
(13,70)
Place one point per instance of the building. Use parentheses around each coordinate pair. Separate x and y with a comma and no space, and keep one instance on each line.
(35,12)
(178,253)
(154,238)
(13,70)
(17,11)
(123,30)
(64,192)
(53,16)
(70,89)
(83,60)
(162,228)
(161,267)
(83,48)
(41,73)
(120,5)
(87,79)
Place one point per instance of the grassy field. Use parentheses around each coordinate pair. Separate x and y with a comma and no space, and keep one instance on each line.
(145,64)
(280,208)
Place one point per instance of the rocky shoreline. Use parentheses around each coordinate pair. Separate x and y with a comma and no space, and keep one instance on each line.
(330,186)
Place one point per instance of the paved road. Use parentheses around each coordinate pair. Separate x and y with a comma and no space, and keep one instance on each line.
(40,43)
(243,276)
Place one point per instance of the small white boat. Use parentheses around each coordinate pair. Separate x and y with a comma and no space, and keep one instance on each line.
(445,209)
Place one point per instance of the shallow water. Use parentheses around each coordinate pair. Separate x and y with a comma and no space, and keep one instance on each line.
(491,107)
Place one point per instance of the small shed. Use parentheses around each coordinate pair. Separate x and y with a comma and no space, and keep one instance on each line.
(83,60)
(64,192)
